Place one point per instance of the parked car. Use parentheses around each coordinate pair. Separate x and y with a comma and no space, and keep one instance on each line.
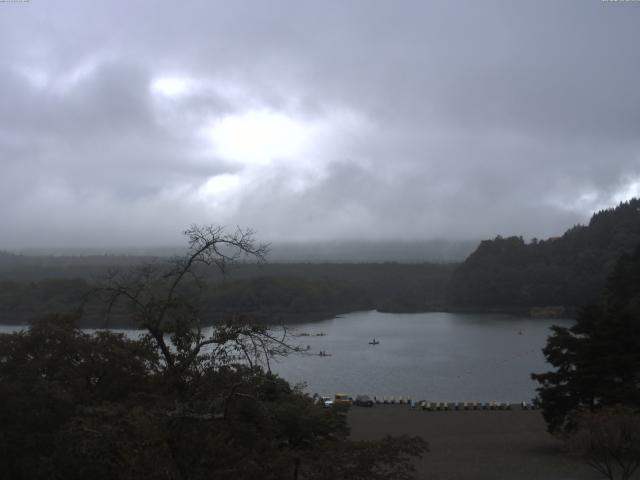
(364,401)
(342,399)
(327,401)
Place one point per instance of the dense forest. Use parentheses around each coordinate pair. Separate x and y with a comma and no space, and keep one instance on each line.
(563,273)
(271,293)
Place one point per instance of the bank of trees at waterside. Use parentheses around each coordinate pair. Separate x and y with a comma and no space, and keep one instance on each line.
(271,293)
(300,289)
(569,271)
(593,395)
(175,404)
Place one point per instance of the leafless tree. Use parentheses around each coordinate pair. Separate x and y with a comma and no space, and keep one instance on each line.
(160,298)
(609,441)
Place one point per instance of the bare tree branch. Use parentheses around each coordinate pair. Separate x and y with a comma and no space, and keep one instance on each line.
(160,298)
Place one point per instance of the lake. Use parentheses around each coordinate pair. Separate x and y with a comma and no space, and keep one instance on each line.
(434,356)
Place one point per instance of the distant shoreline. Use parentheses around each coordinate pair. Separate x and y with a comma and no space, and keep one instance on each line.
(292,319)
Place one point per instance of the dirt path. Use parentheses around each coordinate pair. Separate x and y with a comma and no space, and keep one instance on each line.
(475,445)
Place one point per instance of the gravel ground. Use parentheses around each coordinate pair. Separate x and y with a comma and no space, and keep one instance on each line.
(475,445)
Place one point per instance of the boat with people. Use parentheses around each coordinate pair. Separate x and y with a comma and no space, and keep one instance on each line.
(374,342)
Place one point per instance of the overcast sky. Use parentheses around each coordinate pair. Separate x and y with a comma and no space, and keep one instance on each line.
(122,122)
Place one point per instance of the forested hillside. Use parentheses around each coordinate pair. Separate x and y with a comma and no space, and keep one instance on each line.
(568,272)
(270,293)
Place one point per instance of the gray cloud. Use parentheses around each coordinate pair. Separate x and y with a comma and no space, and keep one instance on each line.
(342,120)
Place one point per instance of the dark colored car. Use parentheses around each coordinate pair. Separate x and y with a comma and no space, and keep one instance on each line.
(364,401)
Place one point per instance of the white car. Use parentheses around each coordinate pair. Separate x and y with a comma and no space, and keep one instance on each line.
(327,401)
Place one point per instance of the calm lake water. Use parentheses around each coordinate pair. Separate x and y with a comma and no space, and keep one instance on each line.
(433,356)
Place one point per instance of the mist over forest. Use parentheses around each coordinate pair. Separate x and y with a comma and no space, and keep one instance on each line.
(553,277)
(436,251)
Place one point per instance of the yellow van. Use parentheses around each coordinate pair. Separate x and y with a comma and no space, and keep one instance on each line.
(342,399)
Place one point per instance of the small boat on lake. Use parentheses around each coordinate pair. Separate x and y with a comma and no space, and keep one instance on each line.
(374,342)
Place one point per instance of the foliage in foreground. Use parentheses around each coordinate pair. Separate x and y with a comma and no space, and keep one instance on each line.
(175,404)
(609,441)
(75,405)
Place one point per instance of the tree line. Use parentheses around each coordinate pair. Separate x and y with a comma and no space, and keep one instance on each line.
(569,271)
(273,293)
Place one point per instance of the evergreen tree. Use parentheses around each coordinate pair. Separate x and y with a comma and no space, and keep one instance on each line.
(568,271)
(598,359)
